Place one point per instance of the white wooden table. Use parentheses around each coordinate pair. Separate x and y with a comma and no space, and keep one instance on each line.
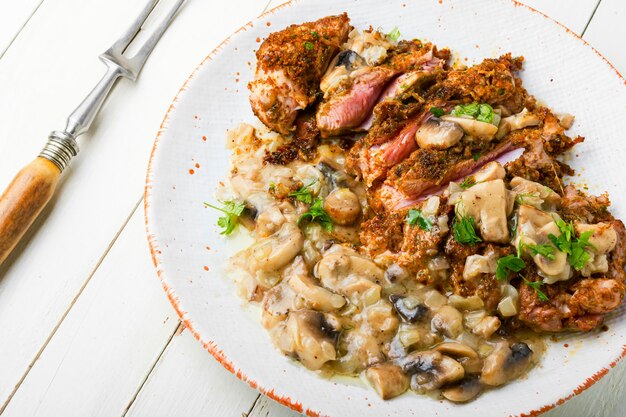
(85,328)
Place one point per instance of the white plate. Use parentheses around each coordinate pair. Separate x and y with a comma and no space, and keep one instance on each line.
(560,69)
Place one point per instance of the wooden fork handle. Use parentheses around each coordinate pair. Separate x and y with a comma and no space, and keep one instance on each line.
(23,200)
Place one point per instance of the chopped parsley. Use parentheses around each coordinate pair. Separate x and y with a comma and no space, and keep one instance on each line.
(394,34)
(482,112)
(232,210)
(476,156)
(416,217)
(464,230)
(304,194)
(317,214)
(315,34)
(545,250)
(308,45)
(437,111)
(509,263)
(572,246)
(272,186)
(468,182)
(535,285)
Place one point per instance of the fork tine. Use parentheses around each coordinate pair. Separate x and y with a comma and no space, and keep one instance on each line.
(141,56)
(122,43)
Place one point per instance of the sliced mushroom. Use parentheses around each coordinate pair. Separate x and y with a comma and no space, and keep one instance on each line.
(486,203)
(344,271)
(474,128)
(277,302)
(476,265)
(456,350)
(380,316)
(343,206)
(467,389)
(533,228)
(316,296)
(506,362)
(387,379)
(517,121)
(435,133)
(276,251)
(430,369)
(311,336)
(535,194)
(448,320)
(409,309)
(490,171)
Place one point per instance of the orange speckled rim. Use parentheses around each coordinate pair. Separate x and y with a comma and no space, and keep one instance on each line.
(210,346)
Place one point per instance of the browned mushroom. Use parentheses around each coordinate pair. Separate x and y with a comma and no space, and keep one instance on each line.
(387,379)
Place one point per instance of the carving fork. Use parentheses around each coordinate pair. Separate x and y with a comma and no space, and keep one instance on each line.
(34,185)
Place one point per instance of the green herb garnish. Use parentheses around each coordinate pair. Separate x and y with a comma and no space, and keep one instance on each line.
(437,111)
(467,183)
(317,214)
(572,246)
(304,194)
(476,156)
(535,286)
(315,34)
(482,112)
(509,263)
(464,230)
(394,34)
(545,250)
(308,45)
(272,186)
(232,210)
(416,217)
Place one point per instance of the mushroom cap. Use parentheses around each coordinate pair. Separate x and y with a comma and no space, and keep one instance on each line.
(311,336)
(430,369)
(474,128)
(387,379)
(506,362)
(465,390)
(436,133)
(343,206)
(409,313)
(486,203)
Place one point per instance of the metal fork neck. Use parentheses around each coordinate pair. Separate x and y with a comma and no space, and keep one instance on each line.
(60,149)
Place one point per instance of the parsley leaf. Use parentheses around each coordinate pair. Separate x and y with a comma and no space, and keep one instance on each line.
(464,230)
(482,112)
(315,34)
(304,194)
(317,214)
(535,286)
(308,45)
(476,156)
(509,263)
(394,34)
(467,182)
(437,111)
(232,211)
(574,247)
(545,250)
(416,217)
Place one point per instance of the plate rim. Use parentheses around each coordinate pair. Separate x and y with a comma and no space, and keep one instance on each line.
(211,346)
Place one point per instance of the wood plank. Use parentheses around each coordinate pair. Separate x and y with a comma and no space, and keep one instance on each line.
(45,73)
(113,335)
(607,32)
(187,381)
(15,14)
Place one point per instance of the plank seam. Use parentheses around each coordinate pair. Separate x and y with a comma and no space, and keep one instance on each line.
(15,37)
(166,346)
(590,18)
(69,308)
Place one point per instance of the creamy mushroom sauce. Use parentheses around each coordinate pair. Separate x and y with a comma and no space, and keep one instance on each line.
(338,312)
